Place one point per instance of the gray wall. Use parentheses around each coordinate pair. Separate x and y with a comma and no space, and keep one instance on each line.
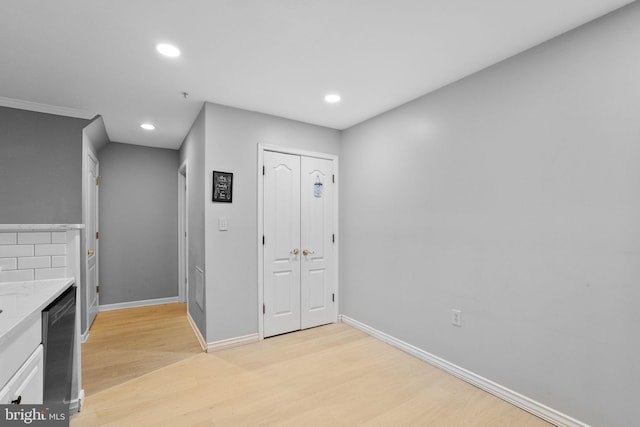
(138,223)
(192,154)
(232,139)
(513,196)
(40,168)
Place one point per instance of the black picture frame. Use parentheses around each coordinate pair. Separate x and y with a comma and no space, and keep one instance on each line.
(222,187)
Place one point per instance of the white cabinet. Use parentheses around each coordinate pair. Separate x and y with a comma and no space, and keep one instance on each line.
(21,358)
(26,386)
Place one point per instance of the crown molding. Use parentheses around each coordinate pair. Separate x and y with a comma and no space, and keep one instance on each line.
(44,108)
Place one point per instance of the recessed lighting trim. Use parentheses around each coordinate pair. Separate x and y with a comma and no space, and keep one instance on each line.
(168,50)
(147,126)
(332,98)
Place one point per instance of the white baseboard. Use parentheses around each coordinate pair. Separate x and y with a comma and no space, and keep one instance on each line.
(142,303)
(536,408)
(232,342)
(84,337)
(219,345)
(196,331)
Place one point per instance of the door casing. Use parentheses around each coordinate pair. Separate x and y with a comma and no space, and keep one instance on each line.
(183,227)
(267,147)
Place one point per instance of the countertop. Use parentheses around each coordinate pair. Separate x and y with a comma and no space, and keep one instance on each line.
(20,301)
(40,227)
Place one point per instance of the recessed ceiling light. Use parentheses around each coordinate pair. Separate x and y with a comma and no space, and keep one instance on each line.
(147,126)
(332,98)
(168,50)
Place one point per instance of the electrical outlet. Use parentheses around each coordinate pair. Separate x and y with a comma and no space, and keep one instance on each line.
(456,317)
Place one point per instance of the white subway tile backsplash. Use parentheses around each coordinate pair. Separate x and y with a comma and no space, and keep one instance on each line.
(50,273)
(56,249)
(59,261)
(35,253)
(30,237)
(8,238)
(8,264)
(58,237)
(11,251)
(34,262)
(16,276)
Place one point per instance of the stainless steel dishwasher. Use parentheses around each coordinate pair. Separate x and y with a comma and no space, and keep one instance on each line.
(58,332)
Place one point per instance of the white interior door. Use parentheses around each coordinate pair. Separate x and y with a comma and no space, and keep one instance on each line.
(91,243)
(299,263)
(281,216)
(317,242)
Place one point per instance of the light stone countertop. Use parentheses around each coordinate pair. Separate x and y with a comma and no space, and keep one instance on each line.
(40,227)
(20,301)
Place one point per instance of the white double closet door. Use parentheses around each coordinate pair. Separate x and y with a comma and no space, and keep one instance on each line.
(299,243)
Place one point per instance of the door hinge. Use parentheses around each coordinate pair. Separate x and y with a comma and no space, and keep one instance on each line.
(97,289)
(333,178)
(263,239)
(264,309)
(264,170)
(333,238)
(97,180)
(97,235)
(333,297)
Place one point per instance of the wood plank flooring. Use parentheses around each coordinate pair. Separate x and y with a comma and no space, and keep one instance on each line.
(333,375)
(125,344)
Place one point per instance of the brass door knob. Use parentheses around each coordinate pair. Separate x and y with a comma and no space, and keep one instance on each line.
(296,251)
(307,252)
(90,252)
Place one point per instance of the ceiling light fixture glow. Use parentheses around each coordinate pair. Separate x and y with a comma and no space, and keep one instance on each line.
(147,126)
(168,50)
(332,98)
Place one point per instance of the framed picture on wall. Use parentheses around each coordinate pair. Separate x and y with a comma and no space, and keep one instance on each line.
(222,187)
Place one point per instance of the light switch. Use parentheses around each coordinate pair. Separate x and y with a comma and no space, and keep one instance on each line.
(222,224)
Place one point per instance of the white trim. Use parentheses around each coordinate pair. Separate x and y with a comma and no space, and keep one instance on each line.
(45,108)
(536,408)
(183,226)
(232,342)
(196,331)
(75,405)
(260,251)
(84,337)
(260,185)
(74,264)
(141,303)
(296,151)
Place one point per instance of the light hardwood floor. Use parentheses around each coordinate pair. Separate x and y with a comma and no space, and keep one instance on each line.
(125,344)
(333,375)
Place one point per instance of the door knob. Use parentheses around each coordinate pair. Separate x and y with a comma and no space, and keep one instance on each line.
(307,252)
(90,252)
(296,251)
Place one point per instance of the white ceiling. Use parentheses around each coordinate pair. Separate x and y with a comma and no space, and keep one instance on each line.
(274,56)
